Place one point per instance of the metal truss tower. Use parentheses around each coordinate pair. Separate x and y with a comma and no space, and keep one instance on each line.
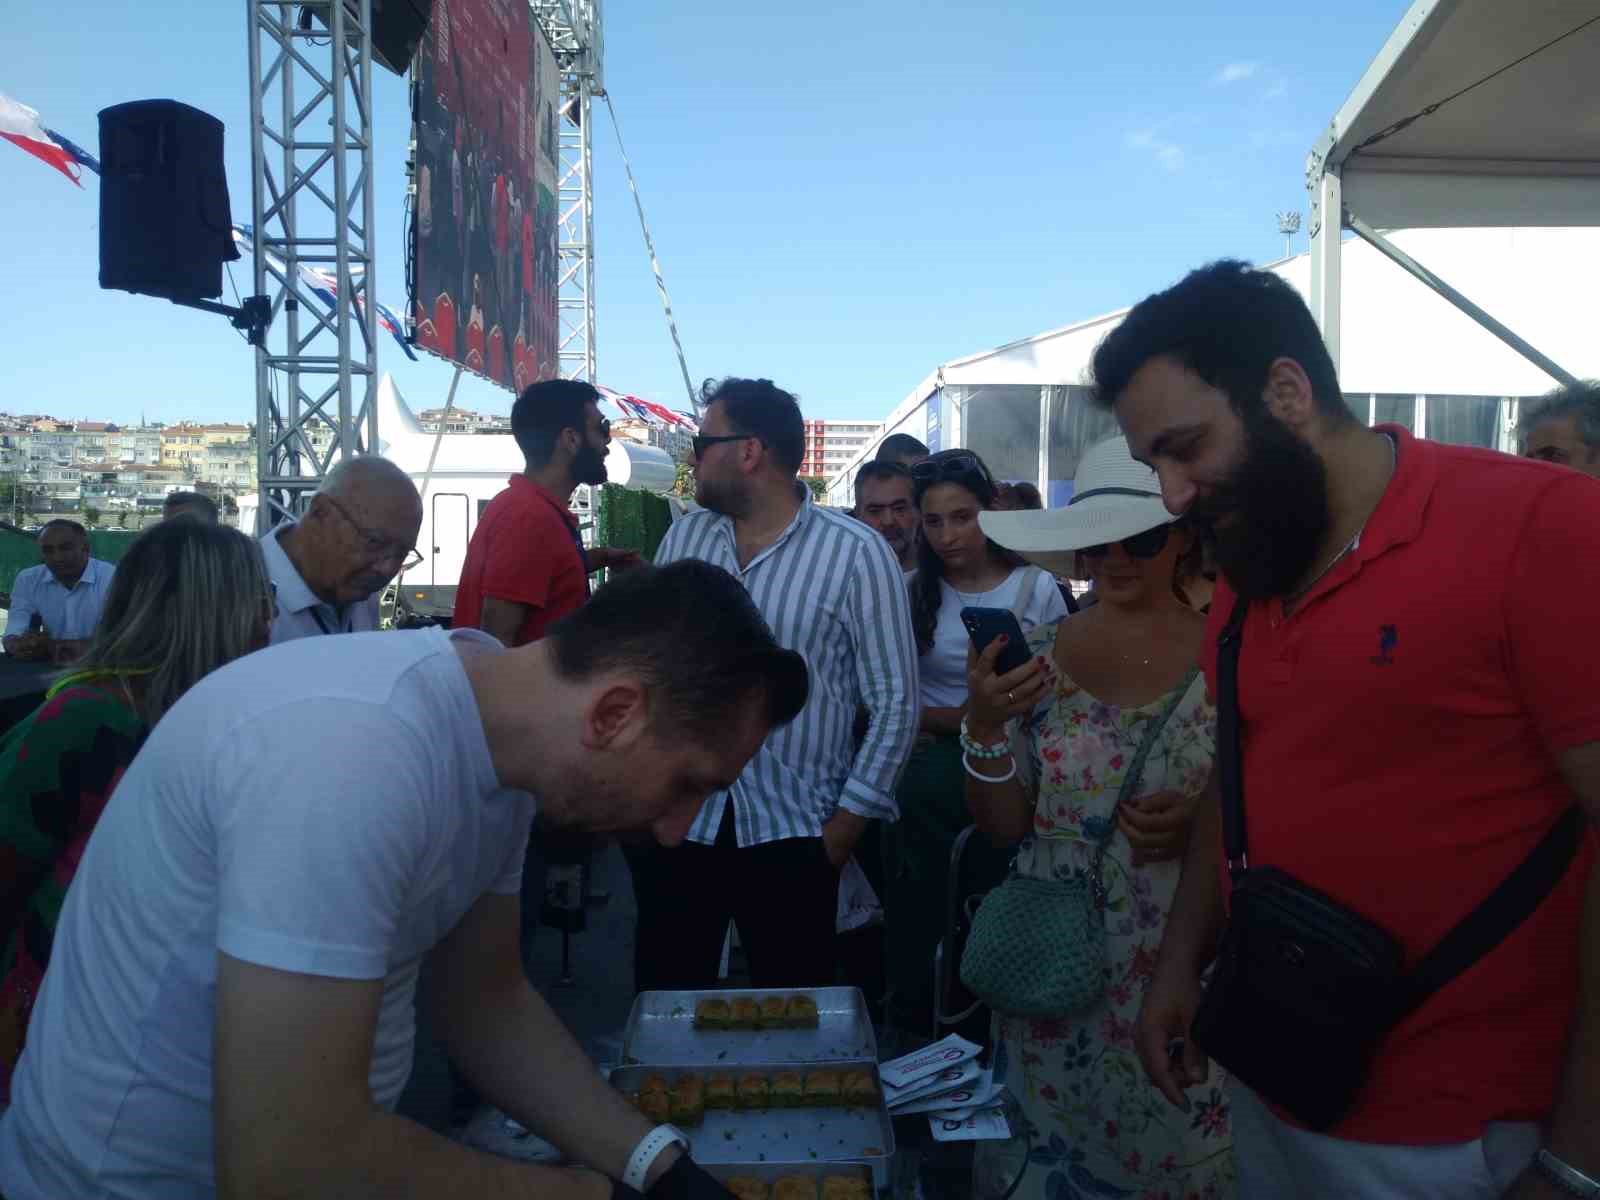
(311,207)
(575,33)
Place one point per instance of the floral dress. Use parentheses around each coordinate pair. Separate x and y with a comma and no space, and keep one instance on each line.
(1097,1125)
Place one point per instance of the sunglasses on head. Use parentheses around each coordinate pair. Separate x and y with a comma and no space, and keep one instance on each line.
(1141,545)
(931,470)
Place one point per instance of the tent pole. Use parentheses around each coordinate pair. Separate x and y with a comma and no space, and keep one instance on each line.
(1412,267)
(1327,206)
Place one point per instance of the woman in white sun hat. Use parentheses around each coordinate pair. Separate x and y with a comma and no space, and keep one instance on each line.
(1047,751)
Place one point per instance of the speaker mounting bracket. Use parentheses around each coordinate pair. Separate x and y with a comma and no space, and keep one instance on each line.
(254,315)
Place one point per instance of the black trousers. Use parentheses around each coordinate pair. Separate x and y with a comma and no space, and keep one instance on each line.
(784,897)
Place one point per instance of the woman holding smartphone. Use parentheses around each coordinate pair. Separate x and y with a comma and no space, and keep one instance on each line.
(957,567)
(1049,750)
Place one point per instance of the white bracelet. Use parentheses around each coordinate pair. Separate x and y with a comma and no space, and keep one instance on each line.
(966,763)
(646,1152)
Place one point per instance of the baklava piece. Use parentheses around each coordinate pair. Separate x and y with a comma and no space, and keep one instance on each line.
(711,1014)
(720,1091)
(688,1100)
(801,1013)
(859,1089)
(788,1090)
(822,1089)
(843,1187)
(795,1187)
(745,1013)
(753,1090)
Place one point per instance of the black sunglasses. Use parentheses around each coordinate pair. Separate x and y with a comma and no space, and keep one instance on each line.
(1141,545)
(701,441)
(931,470)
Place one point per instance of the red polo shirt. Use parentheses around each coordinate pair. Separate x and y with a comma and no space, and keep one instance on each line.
(524,550)
(1402,728)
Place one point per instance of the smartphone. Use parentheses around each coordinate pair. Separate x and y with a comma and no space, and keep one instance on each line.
(986,624)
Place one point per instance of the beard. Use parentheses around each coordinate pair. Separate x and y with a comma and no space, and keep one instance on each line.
(725,497)
(589,465)
(1265,523)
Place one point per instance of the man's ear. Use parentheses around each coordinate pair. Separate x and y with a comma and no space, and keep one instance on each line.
(1289,396)
(615,716)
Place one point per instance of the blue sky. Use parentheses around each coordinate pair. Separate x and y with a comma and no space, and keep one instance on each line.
(842,195)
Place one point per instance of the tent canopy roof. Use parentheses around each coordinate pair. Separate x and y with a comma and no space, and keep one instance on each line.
(1519,142)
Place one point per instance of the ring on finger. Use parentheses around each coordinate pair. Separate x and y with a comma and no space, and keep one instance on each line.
(1011,697)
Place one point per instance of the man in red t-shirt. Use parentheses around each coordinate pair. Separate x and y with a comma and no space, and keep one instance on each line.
(526,567)
(1418,710)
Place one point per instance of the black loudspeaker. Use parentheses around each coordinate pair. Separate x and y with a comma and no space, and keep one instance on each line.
(397,29)
(165,225)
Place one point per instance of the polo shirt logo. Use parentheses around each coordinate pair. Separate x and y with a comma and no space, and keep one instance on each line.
(1388,638)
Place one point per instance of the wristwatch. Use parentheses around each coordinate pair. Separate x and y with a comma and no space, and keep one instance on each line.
(646,1152)
(1566,1176)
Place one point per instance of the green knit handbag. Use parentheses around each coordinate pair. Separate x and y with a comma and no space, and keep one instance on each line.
(1038,946)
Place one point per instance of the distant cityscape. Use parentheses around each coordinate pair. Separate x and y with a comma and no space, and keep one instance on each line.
(53,464)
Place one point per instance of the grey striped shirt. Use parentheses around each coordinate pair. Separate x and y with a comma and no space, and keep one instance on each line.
(829,588)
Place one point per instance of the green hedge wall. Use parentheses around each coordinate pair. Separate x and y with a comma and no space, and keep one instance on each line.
(631,520)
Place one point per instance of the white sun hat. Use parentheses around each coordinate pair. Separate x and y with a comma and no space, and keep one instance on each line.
(1113,498)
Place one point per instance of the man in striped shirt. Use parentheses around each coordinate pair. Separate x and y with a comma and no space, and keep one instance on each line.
(767,853)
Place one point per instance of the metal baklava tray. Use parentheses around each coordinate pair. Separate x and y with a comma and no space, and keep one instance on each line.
(661,1029)
(782,1137)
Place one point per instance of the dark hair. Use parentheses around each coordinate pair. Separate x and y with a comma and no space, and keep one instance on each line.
(64,523)
(878,471)
(1027,496)
(763,409)
(1227,322)
(543,411)
(697,638)
(1580,400)
(899,445)
(925,596)
(191,500)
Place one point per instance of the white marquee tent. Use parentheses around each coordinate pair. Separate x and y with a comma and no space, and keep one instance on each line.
(1410,356)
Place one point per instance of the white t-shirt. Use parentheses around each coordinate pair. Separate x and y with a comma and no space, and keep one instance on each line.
(327,806)
(943,669)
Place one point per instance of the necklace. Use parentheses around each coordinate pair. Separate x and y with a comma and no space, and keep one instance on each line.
(1355,541)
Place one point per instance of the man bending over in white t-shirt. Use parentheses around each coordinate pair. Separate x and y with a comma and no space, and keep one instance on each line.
(228,1007)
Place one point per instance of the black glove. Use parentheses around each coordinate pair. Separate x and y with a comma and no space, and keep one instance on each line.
(683,1181)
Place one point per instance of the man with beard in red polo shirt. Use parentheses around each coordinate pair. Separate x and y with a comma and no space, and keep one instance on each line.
(526,565)
(1417,714)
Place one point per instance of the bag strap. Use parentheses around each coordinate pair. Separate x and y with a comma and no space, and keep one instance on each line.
(1512,902)
(1130,781)
(1230,753)
(1025,590)
(1152,733)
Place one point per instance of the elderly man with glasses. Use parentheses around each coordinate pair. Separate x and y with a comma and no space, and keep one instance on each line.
(358,533)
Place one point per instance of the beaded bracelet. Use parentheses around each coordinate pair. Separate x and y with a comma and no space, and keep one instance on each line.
(977,749)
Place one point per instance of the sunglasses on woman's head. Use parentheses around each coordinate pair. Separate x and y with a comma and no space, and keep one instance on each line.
(1141,545)
(932,469)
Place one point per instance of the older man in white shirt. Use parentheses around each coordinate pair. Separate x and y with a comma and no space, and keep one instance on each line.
(358,533)
(56,605)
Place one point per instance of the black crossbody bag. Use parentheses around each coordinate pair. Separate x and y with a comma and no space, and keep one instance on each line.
(1304,989)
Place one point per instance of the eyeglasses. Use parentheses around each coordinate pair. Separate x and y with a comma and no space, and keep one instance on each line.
(931,470)
(701,441)
(1141,545)
(379,545)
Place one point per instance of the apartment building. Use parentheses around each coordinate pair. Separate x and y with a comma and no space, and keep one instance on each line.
(832,444)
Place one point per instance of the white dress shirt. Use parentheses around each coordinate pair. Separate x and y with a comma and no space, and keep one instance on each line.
(300,612)
(68,613)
